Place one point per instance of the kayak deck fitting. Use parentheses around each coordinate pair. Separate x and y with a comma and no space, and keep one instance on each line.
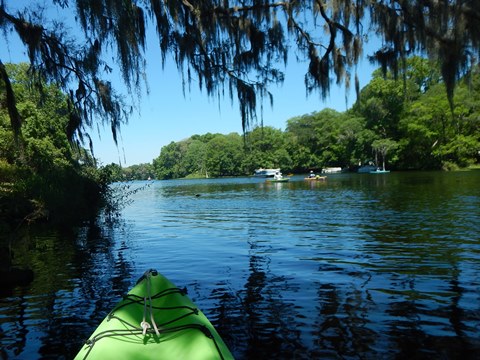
(155,320)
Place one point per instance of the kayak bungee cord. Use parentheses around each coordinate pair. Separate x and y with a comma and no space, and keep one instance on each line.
(144,324)
(137,331)
(145,327)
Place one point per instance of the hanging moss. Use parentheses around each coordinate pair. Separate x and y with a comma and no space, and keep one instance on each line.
(225,44)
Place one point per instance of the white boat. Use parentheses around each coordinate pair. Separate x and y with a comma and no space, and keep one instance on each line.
(331,170)
(265,172)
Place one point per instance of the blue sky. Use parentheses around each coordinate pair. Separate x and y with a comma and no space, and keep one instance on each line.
(166,115)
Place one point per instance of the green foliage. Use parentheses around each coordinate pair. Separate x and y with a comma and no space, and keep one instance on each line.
(382,103)
(138,172)
(167,164)
(42,177)
(265,147)
(224,155)
(111,173)
(422,74)
(115,173)
(214,155)
(405,124)
(423,129)
(461,150)
(435,137)
(321,139)
(382,147)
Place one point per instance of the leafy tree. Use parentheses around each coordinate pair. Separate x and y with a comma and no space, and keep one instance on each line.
(354,140)
(318,139)
(46,178)
(422,73)
(461,151)
(327,145)
(265,148)
(196,158)
(224,155)
(44,141)
(301,155)
(432,136)
(225,44)
(386,104)
(137,172)
(381,103)
(425,134)
(423,129)
(200,156)
(166,163)
(112,172)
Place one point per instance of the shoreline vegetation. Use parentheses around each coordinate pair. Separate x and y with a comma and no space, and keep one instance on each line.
(406,125)
(48,176)
(45,176)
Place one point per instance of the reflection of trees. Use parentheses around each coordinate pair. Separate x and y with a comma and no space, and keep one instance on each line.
(256,322)
(17,327)
(342,327)
(418,328)
(422,302)
(78,277)
(270,322)
(424,265)
(415,317)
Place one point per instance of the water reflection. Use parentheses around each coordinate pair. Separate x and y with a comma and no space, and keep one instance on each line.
(78,277)
(359,266)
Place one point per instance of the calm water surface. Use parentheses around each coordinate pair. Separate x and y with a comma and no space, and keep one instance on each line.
(357,267)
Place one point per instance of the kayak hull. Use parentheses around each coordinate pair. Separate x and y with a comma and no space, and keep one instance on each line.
(130,330)
(316,178)
(278,180)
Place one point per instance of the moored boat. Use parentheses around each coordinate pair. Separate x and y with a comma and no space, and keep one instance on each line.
(155,320)
(331,170)
(265,172)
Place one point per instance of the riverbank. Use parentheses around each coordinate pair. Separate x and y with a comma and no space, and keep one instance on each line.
(63,195)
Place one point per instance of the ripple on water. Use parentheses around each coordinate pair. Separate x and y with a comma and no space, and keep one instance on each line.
(354,267)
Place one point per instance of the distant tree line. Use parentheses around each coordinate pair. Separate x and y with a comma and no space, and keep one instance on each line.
(406,122)
(115,172)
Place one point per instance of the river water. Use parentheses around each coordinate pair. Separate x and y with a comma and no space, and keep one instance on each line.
(360,266)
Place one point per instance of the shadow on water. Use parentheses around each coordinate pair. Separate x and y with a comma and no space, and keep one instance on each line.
(79,276)
(257,322)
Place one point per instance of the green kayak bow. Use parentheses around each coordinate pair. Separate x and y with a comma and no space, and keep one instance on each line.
(155,320)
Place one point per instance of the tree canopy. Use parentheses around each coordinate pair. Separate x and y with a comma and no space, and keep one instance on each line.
(232,48)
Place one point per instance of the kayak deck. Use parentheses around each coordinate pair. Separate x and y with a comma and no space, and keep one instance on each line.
(155,320)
